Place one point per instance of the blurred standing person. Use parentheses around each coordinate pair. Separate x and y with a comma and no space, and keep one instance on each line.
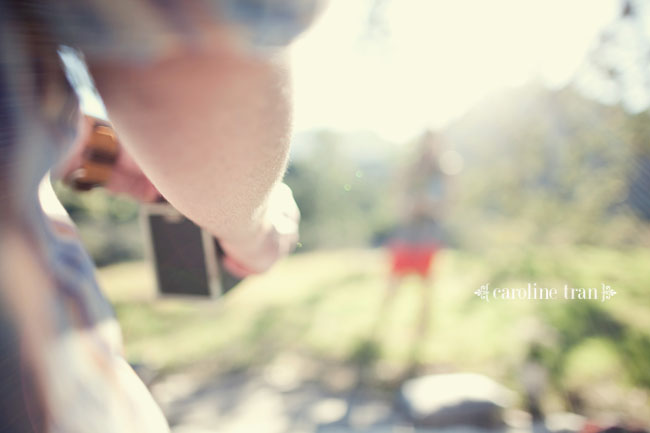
(198,93)
(418,237)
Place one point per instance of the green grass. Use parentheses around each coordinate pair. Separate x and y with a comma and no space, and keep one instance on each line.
(325,304)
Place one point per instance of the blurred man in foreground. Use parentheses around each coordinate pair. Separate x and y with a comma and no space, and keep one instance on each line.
(198,93)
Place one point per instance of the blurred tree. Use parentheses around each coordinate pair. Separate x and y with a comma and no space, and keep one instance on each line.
(620,62)
(554,163)
(344,201)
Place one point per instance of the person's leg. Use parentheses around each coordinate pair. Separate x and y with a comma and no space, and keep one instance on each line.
(422,259)
(394,281)
(425,305)
(424,320)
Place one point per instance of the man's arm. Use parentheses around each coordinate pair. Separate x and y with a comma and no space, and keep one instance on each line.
(210,129)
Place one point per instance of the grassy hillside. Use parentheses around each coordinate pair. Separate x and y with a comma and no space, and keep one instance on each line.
(325,304)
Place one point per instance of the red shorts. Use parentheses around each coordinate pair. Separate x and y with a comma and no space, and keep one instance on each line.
(412,259)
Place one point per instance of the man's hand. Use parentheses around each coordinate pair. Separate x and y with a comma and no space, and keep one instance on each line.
(128,178)
(125,176)
(277,239)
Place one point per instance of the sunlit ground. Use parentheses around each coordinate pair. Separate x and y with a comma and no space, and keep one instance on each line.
(324,305)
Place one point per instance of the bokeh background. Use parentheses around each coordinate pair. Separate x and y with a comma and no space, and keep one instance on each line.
(543,106)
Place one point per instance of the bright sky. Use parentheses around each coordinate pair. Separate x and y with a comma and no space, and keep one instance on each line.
(439,59)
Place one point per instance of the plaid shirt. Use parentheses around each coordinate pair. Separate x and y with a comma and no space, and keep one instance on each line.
(61,361)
